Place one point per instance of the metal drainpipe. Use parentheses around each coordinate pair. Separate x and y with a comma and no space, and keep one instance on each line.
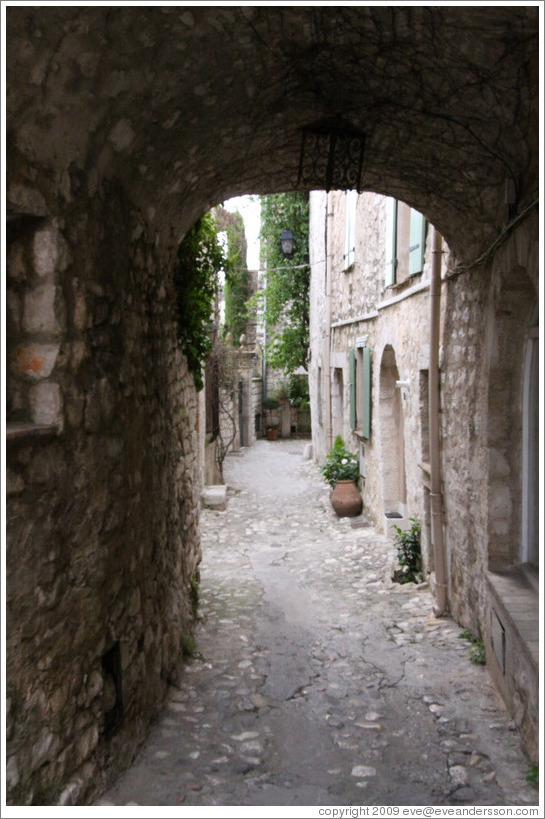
(263,360)
(327,362)
(436,498)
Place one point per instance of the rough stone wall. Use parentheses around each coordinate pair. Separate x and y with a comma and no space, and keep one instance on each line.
(489,313)
(101,510)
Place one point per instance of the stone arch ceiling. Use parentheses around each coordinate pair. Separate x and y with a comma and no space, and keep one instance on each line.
(187,106)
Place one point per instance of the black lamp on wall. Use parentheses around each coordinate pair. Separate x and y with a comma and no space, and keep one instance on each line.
(287,241)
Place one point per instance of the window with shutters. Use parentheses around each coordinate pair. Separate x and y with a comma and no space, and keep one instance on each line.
(359,363)
(349,257)
(405,242)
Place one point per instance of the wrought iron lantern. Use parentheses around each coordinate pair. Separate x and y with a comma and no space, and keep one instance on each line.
(287,241)
(331,156)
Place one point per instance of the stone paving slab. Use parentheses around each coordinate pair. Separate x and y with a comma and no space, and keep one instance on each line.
(319,681)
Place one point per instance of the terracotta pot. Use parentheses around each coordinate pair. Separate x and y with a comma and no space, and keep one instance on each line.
(346,499)
(272,433)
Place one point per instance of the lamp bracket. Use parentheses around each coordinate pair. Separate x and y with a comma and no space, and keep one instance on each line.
(331,156)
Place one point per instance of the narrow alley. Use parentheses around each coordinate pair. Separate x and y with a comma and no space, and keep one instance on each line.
(315,679)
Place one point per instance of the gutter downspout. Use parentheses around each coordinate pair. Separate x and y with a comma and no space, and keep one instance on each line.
(263,360)
(436,498)
(327,346)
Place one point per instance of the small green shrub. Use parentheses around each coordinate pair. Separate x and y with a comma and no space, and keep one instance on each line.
(409,556)
(297,391)
(189,648)
(194,592)
(477,652)
(533,775)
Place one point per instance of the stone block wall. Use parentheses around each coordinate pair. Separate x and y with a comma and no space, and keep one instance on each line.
(35,319)
(490,311)
(492,590)
(102,498)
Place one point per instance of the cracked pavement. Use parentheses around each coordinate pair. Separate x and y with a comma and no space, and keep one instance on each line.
(319,681)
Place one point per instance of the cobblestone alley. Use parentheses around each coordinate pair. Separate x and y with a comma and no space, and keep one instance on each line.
(319,681)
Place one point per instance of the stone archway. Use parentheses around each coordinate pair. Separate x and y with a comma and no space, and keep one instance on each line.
(186,107)
(124,124)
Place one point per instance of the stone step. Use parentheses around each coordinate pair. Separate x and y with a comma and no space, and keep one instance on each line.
(214,497)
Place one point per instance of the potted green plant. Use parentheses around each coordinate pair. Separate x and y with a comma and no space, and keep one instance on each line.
(341,470)
(269,404)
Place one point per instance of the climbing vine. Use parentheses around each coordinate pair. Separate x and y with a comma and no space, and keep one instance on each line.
(200,260)
(285,299)
(237,278)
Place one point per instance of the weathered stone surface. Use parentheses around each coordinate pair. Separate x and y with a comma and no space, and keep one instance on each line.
(97,106)
(37,361)
(46,252)
(46,403)
(96,149)
(127,532)
(39,310)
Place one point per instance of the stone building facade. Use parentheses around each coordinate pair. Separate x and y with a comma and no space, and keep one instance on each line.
(371,302)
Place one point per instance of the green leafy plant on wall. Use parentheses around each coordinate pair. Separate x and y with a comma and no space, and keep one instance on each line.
(285,298)
(237,287)
(200,260)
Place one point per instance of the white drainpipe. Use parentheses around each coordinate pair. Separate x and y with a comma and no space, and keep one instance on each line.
(436,498)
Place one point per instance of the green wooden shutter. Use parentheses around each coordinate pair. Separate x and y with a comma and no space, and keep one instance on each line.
(417,246)
(352,376)
(390,241)
(366,393)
